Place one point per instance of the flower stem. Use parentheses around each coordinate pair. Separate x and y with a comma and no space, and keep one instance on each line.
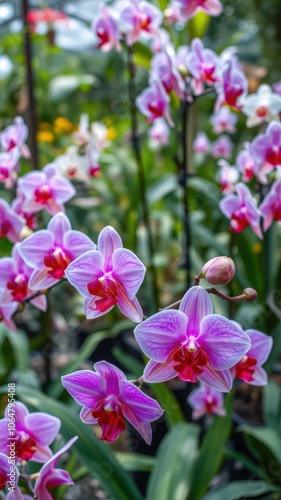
(141,173)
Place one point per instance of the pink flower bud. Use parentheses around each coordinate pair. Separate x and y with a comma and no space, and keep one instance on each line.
(218,271)
(251,294)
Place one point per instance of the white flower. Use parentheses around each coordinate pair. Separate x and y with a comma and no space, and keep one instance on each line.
(264,106)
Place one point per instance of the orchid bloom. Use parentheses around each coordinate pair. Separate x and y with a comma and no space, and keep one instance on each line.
(14,277)
(266,147)
(140,19)
(232,86)
(6,468)
(34,432)
(160,41)
(229,177)
(108,398)
(7,310)
(189,8)
(11,223)
(250,167)
(206,400)
(192,343)
(222,147)
(242,211)
(264,106)
(50,251)
(203,64)
(224,121)
(9,167)
(249,368)
(271,205)
(106,30)
(16,205)
(108,276)
(51,477)
(201,143)
(72,165)
(164,69)
(158,134)
(153,102)
(46,189)
(15,135)
(49,16)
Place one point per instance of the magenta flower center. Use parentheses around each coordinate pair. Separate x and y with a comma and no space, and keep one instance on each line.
(4,228)
(232,92)
(25,446)
(208,70)
(189,362)
(43,194)
(239,221)
(273,155)
(18,287)
(110,418)
(262,111)
(156,109)
(145,21)
(2,482)
(57,261)
(245,368)
(106,289)
(4,172)
(102,35)
(11,144)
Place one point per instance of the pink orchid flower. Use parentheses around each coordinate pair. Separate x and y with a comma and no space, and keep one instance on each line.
(34,432)
(242,211)
(9,167)
(7,310)
(232,87)
(31,220)
(45,190)
(15,135)
(201,143)
(222,147)
(9,472)
(263,106)
(228,176)
(224,121)
(141,19)
(192,343)
(158,134)
(106,30)
(153,102)
(266,147)
(160,40)
(203,64)
(108,276)
(249,369)
(250,167)
(164,69)
(50,251)
(189,8)
(206,400)
(51,477)
(14,277)
(11,223)
(271,205)
(108,398)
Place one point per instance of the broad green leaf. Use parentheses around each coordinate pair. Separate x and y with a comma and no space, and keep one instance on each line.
(172,476)
(211,452)
(197,26)
(161,188)
(92,453)
(273,357)
(240,489)
(247,462)
(135,461)
(272,404)
(168,401)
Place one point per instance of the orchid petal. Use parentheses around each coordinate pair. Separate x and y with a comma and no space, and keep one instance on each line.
(130,308)
(40,302)
(87,417)
(160,334)
(40,279)
(42,454)
(128,270)
(58,225)
(77,243)
(43,427)
(108,241)
(260,377)
(90,309)
(159,372)
(221,380)
(112,376)
(34,249)
(86,268)
(261,345)
(85,386)
(196,304)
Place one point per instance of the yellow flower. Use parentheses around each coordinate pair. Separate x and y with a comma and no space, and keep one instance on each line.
(111,133)
(45,136)
(61,124)
(45,126)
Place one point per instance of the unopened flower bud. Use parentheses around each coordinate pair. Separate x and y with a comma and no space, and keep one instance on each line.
(218,271)
(250,293)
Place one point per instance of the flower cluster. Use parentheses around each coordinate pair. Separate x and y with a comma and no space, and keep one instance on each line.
(33,434)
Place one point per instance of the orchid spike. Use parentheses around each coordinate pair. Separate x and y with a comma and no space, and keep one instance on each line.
(206,400)
(34,432)
(203,64)
(106,29)
(232,86)
(140,19)
(108,276)
(108,398)
(249,368)
(50,251)
(192,343)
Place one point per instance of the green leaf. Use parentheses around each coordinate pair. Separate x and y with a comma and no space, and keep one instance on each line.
(197,26)
(161,188)
(272,404)
(211,452)
(172,476)
(240,489)
(169,402)
(63,86)
(247,462)
(135,462)
(92,453)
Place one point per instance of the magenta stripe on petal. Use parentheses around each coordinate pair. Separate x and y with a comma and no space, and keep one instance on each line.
(196,304)
(159,372)
(85,386)
(219,380)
